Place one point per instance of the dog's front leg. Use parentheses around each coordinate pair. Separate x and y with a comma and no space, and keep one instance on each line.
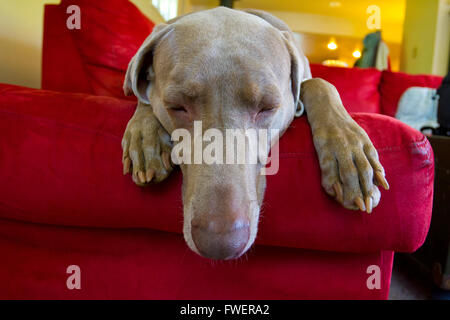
(348,160)
(146,148)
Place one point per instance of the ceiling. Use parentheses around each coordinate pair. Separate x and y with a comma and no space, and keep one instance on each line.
(392,11)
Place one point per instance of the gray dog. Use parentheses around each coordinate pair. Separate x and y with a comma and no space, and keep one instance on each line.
(237,69)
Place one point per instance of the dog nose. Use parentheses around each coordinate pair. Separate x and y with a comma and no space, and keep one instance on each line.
(220,238)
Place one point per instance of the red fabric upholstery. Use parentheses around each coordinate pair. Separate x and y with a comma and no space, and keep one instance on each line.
(358,87)
(68,149)
(142,264)
(394,84)
(94,58)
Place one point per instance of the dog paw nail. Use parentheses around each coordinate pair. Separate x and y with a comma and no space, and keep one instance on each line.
(166,160)
(338,190)
(149,175)
(360,203)
(381,179)
(369,204)
(141,177)
(126,166)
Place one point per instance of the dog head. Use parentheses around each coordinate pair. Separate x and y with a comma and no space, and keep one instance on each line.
(226,69)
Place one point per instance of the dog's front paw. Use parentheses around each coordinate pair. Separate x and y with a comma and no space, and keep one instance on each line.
(350,167)
(146,148)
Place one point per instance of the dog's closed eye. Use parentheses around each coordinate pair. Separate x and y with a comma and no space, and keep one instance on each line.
(178,108)
(267,109)
(266,112)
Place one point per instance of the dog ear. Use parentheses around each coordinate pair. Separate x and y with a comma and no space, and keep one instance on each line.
(140,71)
(299,71)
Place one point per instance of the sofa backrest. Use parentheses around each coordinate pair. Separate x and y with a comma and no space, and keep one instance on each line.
(94,58)
(394,84)
(357,87)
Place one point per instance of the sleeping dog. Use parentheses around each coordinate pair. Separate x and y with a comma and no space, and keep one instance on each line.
(236,69)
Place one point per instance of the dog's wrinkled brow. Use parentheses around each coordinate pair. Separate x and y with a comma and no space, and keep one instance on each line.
(189,91)
(255,94)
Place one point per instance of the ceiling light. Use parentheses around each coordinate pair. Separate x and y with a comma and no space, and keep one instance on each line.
(356,54)
(335,63)
(332,45)
(335,4)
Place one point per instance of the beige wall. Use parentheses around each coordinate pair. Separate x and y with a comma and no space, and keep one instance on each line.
(322,24)
(149,10)
(184,6)
(21,30)
(426,37)
(21,25)
(442,42)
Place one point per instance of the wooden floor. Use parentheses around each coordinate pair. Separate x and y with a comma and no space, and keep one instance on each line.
(409,282)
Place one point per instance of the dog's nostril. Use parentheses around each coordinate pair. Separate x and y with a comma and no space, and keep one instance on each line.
(215,241)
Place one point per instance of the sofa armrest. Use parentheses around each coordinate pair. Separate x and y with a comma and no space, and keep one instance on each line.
(60,164)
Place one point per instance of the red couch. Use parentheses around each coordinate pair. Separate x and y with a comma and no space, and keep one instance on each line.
(64,200)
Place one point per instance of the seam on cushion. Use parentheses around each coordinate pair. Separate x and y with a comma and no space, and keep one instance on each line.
(409,145)
(107,67)
(13,207)
(75,226)
(59,227)
(429,174)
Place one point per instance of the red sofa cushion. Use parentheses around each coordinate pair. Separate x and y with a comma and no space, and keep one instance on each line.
(94,58)
(142,264)
(60,164)
(358,87)
(394,84)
